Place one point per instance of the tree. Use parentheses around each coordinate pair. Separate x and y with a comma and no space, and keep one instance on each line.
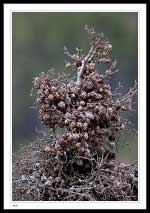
(81,164)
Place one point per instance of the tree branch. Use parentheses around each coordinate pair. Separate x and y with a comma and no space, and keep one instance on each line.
(81,68)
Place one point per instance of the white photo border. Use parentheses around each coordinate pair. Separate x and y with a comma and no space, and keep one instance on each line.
(8,10)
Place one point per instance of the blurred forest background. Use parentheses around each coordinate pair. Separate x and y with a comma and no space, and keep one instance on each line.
(37,45)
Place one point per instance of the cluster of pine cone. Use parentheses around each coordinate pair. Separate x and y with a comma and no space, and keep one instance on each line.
(88,112)
(85,108)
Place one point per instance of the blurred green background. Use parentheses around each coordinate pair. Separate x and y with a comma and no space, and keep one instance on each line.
(37,44)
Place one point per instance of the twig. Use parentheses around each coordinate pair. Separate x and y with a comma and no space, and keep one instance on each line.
(81,69)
